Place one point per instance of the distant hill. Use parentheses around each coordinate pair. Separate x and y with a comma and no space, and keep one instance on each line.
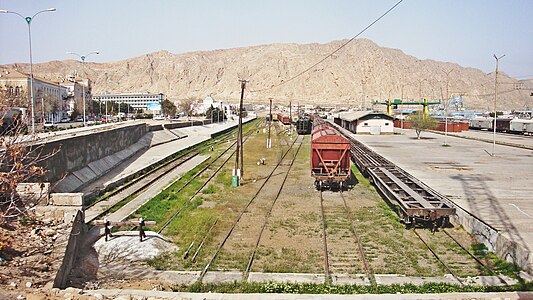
(360,72)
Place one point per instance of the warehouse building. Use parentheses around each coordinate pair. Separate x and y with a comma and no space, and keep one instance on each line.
(366,122)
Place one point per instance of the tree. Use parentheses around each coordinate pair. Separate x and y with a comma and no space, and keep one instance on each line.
(168,108)
(187,105)
(21,160)
(420,122)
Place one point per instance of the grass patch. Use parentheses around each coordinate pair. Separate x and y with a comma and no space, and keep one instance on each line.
(313,288)
(210,189)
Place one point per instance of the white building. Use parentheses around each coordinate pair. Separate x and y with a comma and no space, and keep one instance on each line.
(366,122)
(49,97)
(209,101)
(144,101)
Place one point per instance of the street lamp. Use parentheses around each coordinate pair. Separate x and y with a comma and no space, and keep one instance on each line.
(28,21)
(495,97)
(82,58)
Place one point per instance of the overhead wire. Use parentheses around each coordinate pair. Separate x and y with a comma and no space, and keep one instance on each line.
(332,53)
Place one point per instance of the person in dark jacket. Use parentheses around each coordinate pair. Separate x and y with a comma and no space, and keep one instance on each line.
(141,229)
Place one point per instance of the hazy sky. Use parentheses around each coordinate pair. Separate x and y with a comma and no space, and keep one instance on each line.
(467,32)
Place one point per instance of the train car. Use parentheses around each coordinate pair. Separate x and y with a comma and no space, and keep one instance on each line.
(285,120)
(503,124)
(481,123)
(330,157)
(521,126)
(303,125)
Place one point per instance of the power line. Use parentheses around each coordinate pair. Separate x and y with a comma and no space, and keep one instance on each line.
(332,53)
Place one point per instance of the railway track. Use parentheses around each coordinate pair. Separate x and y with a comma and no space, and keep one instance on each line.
(136,186)
(343,248)
(438,257)
(415,202)
(267,217)
(133,187)
(448,257)
(261,209)
(208,166)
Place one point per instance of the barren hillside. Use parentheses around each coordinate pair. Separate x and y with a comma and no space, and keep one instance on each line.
(360,72)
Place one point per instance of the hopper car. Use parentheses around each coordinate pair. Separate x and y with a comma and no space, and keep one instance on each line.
(330,157)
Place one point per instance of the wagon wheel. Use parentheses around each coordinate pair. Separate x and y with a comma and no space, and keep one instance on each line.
(320,185)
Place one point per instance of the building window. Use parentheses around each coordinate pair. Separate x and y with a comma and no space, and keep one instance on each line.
(387,124)
(366,124)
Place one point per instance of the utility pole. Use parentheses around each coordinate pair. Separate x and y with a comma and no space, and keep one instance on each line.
(269,141)
(239,157)
(290,118)
(495,97)
(363,104)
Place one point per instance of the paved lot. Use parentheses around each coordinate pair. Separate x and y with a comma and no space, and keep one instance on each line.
(496,189)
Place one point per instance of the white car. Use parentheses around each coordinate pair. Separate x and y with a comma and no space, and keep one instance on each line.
(159,118)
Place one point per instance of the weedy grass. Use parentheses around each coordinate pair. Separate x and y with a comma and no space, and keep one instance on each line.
(322,288)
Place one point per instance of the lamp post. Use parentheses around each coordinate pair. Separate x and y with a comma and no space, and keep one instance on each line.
(28,21)
(495,97)
(82,58)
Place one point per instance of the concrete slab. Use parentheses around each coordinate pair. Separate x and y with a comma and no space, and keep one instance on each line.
(220,296)
(286,277)
(125,246)
(222,277)
(497,189)
(359,279)
(400,279)
(161,137)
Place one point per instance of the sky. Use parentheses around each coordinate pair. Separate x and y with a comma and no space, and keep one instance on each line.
(467,32)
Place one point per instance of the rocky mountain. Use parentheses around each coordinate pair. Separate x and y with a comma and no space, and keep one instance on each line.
(357,75)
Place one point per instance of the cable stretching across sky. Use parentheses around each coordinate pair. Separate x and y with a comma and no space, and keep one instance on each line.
(332,53)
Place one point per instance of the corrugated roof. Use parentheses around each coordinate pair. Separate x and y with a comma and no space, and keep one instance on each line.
(353,115)
(356,115)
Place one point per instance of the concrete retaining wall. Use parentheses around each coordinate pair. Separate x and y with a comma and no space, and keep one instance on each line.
(75,240)
(77,152)
(155,127)
(495,241)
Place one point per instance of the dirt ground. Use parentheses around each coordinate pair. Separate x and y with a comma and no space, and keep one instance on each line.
(31,252)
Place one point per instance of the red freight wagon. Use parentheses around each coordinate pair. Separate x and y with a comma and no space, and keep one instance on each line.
(330,157)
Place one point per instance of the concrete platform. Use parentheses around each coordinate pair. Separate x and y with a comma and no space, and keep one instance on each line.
(126,294)
(496,189)
(189,136)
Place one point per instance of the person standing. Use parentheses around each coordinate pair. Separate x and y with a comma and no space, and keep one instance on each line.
(141,229)
(107,230)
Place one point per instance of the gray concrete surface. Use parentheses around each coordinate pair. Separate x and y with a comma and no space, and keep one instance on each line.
(497,189)
(501,138)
